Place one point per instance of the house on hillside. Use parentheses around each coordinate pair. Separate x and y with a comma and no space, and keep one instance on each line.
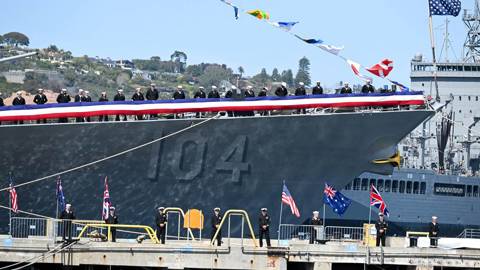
(125,64)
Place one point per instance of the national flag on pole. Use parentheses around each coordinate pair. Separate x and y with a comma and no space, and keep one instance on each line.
(287,26)
(356,69)
(106,200)
(288,199)
(260,14)
(13,196)
(235,8)
(335,199)
(402,87)
(445,7)
(330,48)
(377,201)
(382,69)
(60,195)
(310,40)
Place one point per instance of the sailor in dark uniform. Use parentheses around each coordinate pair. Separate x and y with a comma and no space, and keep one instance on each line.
(112,219)
(152,94)
(18,101)
(67,216)
(300,91)
(216,220)
(214,92)
(103,98)
(315,221)
(368,87)
(1,103)
(229,94)
(199,94)
(433,232)
(346,89)
(263,93)
(161,222)
(282,90)
(264,226)
(80,97)
(381,226)
(39,99)
(63,97)
(179,94)
(138,96)
(317,89)
(119,97)
(249,93)
(87,98)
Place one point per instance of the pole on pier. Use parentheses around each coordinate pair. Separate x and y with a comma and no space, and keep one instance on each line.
(434,60)
(280,219)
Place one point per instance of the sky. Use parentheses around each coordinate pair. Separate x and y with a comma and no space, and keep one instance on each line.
(207,31)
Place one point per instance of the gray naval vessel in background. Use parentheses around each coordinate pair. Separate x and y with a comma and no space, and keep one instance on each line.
(440,170)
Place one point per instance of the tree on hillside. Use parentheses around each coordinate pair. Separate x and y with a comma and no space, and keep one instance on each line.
(276,75)
(155,58)
(194,70)
(214,74)
(34,81)
(262,77)
(303,74)
(287,76)
(180,60)
(241,71)
(53,48)
(1,39)
(16,38)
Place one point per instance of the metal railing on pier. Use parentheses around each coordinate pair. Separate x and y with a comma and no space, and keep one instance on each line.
(315,233)
(470,233)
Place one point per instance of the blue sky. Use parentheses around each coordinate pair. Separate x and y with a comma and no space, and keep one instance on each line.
(206,30)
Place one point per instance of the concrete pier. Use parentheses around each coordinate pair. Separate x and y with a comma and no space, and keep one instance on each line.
(201,255)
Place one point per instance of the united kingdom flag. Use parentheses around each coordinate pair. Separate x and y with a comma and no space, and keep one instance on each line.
(377,201)
(106,201)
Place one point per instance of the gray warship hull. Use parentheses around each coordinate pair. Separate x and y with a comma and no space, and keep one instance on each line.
(226,162)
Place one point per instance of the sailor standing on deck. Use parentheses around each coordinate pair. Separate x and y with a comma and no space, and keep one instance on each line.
(161,222)
(199,94)
(214,92)
(138,96)
(216,220)
(263,93)
(152,94)
(346,89)
(80,97)
(264,222)
(317,89)
(67,216)
(300,91)
(18,101)
(282,90)
(315,221)
(39,99)
(1,102)
(103,98)
(87,98)
(433,232)
(112,219)
(381,226)
(368,87)
(119,97)
(63,97)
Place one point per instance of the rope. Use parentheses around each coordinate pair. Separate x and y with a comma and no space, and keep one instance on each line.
(48,255)
(115,155)
(33,258)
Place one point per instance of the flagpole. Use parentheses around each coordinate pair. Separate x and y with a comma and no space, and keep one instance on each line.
(434,60)
(323,214)
(280,219)
(370,207)
(56,198)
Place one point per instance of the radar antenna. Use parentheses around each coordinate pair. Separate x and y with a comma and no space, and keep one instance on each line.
(472,43)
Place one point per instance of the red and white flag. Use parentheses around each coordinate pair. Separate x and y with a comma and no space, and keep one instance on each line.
(356,69)
(382,69)
(106,201)
(13,197)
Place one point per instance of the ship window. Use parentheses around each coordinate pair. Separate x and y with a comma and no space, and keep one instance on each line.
(423,187)
(364,184)
(356,184)
(476,98)
(475,191)
(445,189)
(409,187)
(469,98)
(348,186)
(468,68)
(387,185)
(469,191)
(416,187)
(402,187)
(372,182)
(380,185)
(395,186)
(460,98)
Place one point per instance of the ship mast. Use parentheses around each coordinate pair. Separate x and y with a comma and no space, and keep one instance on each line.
(472,43)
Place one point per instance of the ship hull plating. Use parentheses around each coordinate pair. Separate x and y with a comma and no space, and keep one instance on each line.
(226,162)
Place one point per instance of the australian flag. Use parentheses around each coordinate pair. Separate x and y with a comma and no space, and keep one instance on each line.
(445,7)
(60,195)
(336,200)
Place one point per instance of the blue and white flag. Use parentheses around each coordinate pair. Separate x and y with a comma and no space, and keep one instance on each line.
(445,7)
(287,26)
(336,200)
(310,40)
(402,87)
(60,195)
(331,49)
(235,8)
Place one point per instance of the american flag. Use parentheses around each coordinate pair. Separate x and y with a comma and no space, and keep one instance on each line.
(377,201)
(13,196)
(106,200)
(288,199)
(445,7)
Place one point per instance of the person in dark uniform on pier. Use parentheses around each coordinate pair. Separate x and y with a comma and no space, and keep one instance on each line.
(264,226)
(63,97)
(346,89)
(368,87)
(18,101)
(39,99)
(199,94)
(300,91)
(282,90)
(216,220)
(433,232)
(67,216)
(214,92)
(317,89)
(381,226)
(103,98)
(315,221)
(152,94)
(120,97)
(112,219)
(138,96)
(161,222)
